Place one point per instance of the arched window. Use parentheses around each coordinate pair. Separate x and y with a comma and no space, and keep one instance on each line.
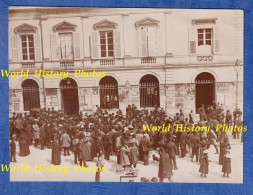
(108,88)
(31,95)
(149,91)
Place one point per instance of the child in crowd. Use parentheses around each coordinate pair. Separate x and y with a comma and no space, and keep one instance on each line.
(203,169)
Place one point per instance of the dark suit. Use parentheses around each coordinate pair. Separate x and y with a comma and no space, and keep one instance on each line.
(195,148)
(171,149)
(183,144)
(144,149)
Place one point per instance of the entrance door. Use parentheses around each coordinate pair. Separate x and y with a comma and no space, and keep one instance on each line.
(69,94)
(149,91)
(31,95)
(205,89)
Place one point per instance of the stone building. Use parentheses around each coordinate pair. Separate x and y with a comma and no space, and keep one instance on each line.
(152,57)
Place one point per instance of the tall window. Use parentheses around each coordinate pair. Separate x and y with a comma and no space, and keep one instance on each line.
(27,47)
(66,46)
(106,43)
(147,41)
(204,36)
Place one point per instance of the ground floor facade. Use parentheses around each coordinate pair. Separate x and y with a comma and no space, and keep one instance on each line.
(172,88)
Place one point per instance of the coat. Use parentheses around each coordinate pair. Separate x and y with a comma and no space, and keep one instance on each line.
(65,140)
(203,169)
(36,131)
(144,144)
(42,133)
(24,145)
(165,166)
(56,153)
(223,147)
(171,149)
(124,159)
(226,167)
(85,151)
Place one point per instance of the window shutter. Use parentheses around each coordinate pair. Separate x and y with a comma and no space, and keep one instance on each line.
(216,40)
(77,46)
(54,47)
(192,40)
(152,41)
(117,47)
(143,42)
(95,43)
(37,47)
(16,48)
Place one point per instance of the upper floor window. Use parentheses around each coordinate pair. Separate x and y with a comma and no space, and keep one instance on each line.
(204,37)
(146,29)
(105,40)
(66,46)
(65,42)
(26,44)
(106,43)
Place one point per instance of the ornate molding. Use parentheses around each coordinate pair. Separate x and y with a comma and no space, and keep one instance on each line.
(204,58)
(105,24)
(204,21)
(147,22)
(64,26)
(25,28)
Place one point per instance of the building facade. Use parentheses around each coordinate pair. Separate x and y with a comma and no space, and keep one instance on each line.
(151,57)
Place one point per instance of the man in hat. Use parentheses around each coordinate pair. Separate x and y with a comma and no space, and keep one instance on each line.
(165,166)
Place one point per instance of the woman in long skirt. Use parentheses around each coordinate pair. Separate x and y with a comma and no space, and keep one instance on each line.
(56,153)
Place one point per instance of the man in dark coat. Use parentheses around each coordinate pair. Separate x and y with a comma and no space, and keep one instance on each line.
(171,150)
(42,136)
(183,144)
(195,147)
(165,166)
(144,149)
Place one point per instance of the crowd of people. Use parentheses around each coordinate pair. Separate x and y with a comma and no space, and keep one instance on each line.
(105,134)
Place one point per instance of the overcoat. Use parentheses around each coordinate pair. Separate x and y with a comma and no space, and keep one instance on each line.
(56,153)
(165,167)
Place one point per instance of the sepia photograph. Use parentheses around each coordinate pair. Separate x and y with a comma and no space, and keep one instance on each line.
(125,94)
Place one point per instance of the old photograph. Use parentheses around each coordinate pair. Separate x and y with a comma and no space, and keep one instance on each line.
(126,94)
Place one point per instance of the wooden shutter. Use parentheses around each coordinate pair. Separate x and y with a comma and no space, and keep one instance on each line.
(216,40)
(117,46)
(152,41)
(143,50)
(95,45)
(54,47)
(192,40)
(77,46)
(37,47)
(16,48)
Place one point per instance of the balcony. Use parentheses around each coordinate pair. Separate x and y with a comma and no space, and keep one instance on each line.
(107,62)
(67,64)
(148,60)
(28,65)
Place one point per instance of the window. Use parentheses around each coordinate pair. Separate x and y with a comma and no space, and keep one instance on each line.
(147,41)
(27,43)
(106,43)
(66,46)
(204,36)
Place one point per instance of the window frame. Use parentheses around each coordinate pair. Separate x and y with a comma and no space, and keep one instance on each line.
(106,44)
(72,45)
(27,48)
(204,39)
